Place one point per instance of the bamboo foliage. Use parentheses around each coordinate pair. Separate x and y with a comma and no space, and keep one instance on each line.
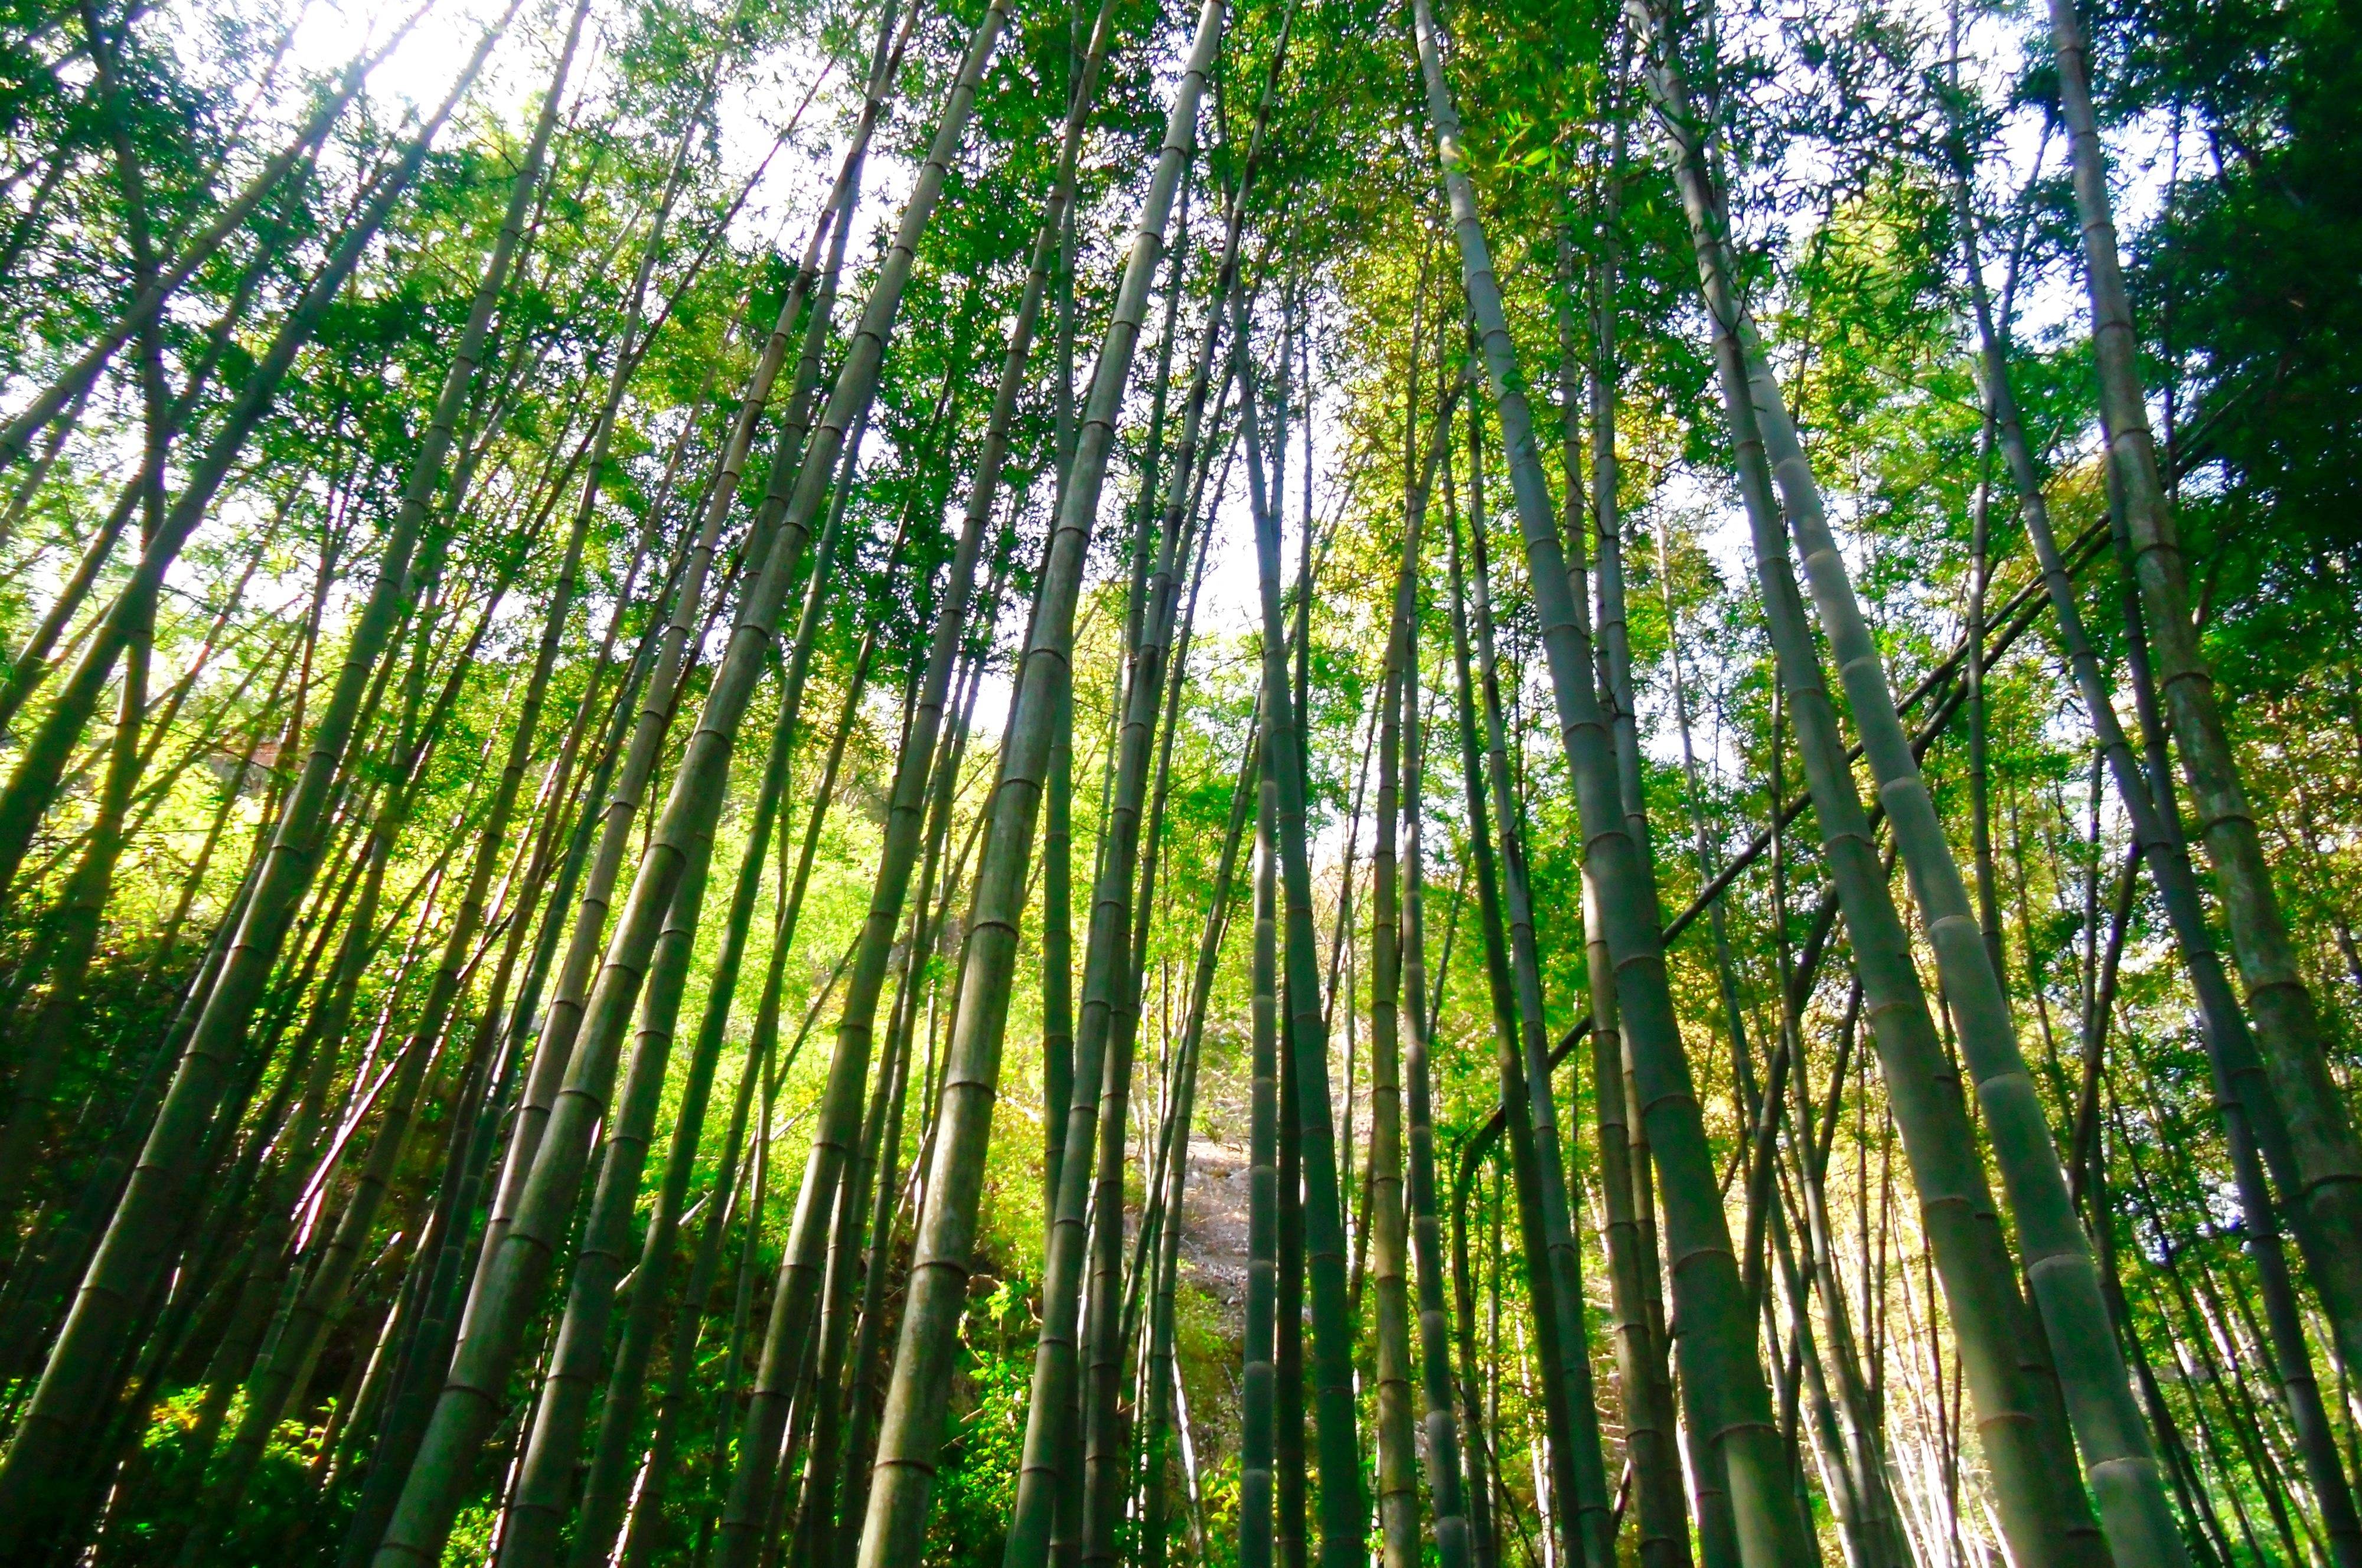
(409,514)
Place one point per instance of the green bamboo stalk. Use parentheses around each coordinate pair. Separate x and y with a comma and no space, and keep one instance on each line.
(662,682)
(1099,1078)
(263,1409)
(537,1510)
(1948,1174)
(2327,1155)
(1389,1228)
(1156,1437)
(1872,1537)
(605,1491)
(2254,1125)
(1584,1513)
(816,1518)
(1635,1287)
(419,1380)
(1482,1541)
(670,864)
(1058,953)
(1344,1514)
(645,1528)
(1109,1024)
(1516,1087)
(1258,1377)
(800,1280)
(912,1429)
(1454,1543)
(1717,1342)
(1153,1268)
(1661,1476)
(869,1339)
(2116,1449)
(1292,1472)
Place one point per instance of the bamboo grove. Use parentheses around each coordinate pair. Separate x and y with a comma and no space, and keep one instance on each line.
(840,783)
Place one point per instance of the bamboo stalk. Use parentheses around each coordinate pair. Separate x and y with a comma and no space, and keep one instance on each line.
(911,1429)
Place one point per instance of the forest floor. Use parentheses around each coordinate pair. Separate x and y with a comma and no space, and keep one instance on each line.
(1214,1225)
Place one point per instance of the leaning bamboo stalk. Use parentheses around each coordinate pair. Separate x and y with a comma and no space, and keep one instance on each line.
(427,1351)
(603,1498)
(928,916)
(2115,1444)
(1948,1175)
(1872,1536)
(456,959)
(1583,1515)
(300,1336)
(869,1339)
(1099,1077)
(43,759)
(863,1203)
(912,1428)
(545,1467)
(1143,1278)
(545,1475)
(1162,1370)
(814,1501)
(500,1037)
(67,1248)
(1079,1357)
(643,1527)
(1107,1027)
(652,722)
(795,1300)
(2287,1022)
(1717,1342)
(2255,1127)
(1606,507)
